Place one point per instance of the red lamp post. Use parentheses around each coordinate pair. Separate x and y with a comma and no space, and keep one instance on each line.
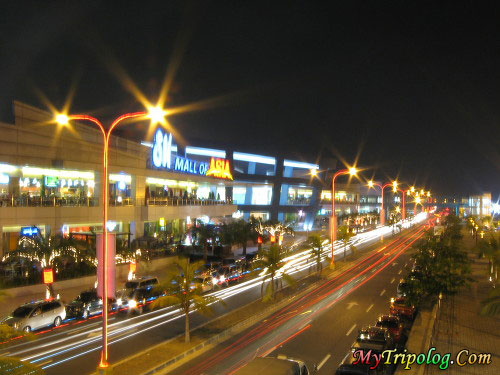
(106,135)
(333,225)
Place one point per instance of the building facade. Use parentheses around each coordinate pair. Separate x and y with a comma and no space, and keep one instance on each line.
(51,182)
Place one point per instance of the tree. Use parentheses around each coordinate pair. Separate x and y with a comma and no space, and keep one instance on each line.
(444,267)
(344,234)
(14,366)
(316,244)
(180,290)
(271,262)
(242,233)
(205,233)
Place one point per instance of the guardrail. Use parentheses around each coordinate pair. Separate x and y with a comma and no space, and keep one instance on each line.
(48,202)
(173,201)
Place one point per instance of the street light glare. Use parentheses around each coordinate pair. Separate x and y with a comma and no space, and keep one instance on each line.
(353,171)
(412,189)
(62,119)
(370,183)
(157,114)
(314,172)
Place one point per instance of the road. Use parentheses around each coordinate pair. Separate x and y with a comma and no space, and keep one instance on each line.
(74,347)
(320,327)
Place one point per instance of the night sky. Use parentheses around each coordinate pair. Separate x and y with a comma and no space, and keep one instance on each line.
(408,88)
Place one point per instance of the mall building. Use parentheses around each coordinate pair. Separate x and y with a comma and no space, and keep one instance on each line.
(51,182)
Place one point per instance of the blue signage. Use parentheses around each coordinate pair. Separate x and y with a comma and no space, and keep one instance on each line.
(29,231)
(162,157)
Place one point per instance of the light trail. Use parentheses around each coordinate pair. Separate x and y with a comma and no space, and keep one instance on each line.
(295,263)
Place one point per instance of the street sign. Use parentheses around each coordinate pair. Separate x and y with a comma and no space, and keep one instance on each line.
(48,276)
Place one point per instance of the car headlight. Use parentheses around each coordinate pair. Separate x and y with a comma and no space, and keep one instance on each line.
(214,280)
(132,303)
(16,325)
(119,301)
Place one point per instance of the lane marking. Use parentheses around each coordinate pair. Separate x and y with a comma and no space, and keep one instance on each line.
(44,363)
(369,307)
(323,361)
(393,279)
(399,273)
(351,304)
(394,263)
(352,328)
(382,293)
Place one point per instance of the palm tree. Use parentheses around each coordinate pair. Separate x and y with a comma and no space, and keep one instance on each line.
(314,241)
(271,261)
(180,291)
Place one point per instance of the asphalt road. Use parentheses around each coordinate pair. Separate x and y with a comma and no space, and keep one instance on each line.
(320,327)
(74,347)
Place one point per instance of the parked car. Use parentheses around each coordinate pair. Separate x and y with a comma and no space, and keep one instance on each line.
(205,283)
(400,289)
(280,365)
(393,324)
(400,308)
(136,300)
(87,303)
(347,367)
(36,315)
(375,338)
(141,282)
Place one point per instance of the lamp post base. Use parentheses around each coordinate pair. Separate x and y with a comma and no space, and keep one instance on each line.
(104,370)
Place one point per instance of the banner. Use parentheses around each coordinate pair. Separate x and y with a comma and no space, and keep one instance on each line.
(110,264)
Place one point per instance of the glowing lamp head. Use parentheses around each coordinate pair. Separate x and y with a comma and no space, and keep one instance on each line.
(314,172)
(428,193)
(417,200)
(157,114)
(62,119)
(422,192)
(353,171)
(370,183)
(412,189)
(398,209)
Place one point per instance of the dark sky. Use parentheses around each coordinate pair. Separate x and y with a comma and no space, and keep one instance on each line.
(412,87)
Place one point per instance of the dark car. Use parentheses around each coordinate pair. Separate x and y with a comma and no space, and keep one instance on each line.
(137,300)
(347,367)
(87,303)
(141,282)
(375,338)
(393,324)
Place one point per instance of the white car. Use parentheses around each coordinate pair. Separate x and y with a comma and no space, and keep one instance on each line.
(205,283)
(32,316)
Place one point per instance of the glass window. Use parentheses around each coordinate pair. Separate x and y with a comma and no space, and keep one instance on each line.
(239,193)
(262,195)
(299,195)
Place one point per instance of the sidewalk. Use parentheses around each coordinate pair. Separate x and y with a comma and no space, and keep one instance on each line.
(459,325)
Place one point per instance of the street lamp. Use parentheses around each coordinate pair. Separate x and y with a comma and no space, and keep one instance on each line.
(156,114)
(394,185)
(333,226)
